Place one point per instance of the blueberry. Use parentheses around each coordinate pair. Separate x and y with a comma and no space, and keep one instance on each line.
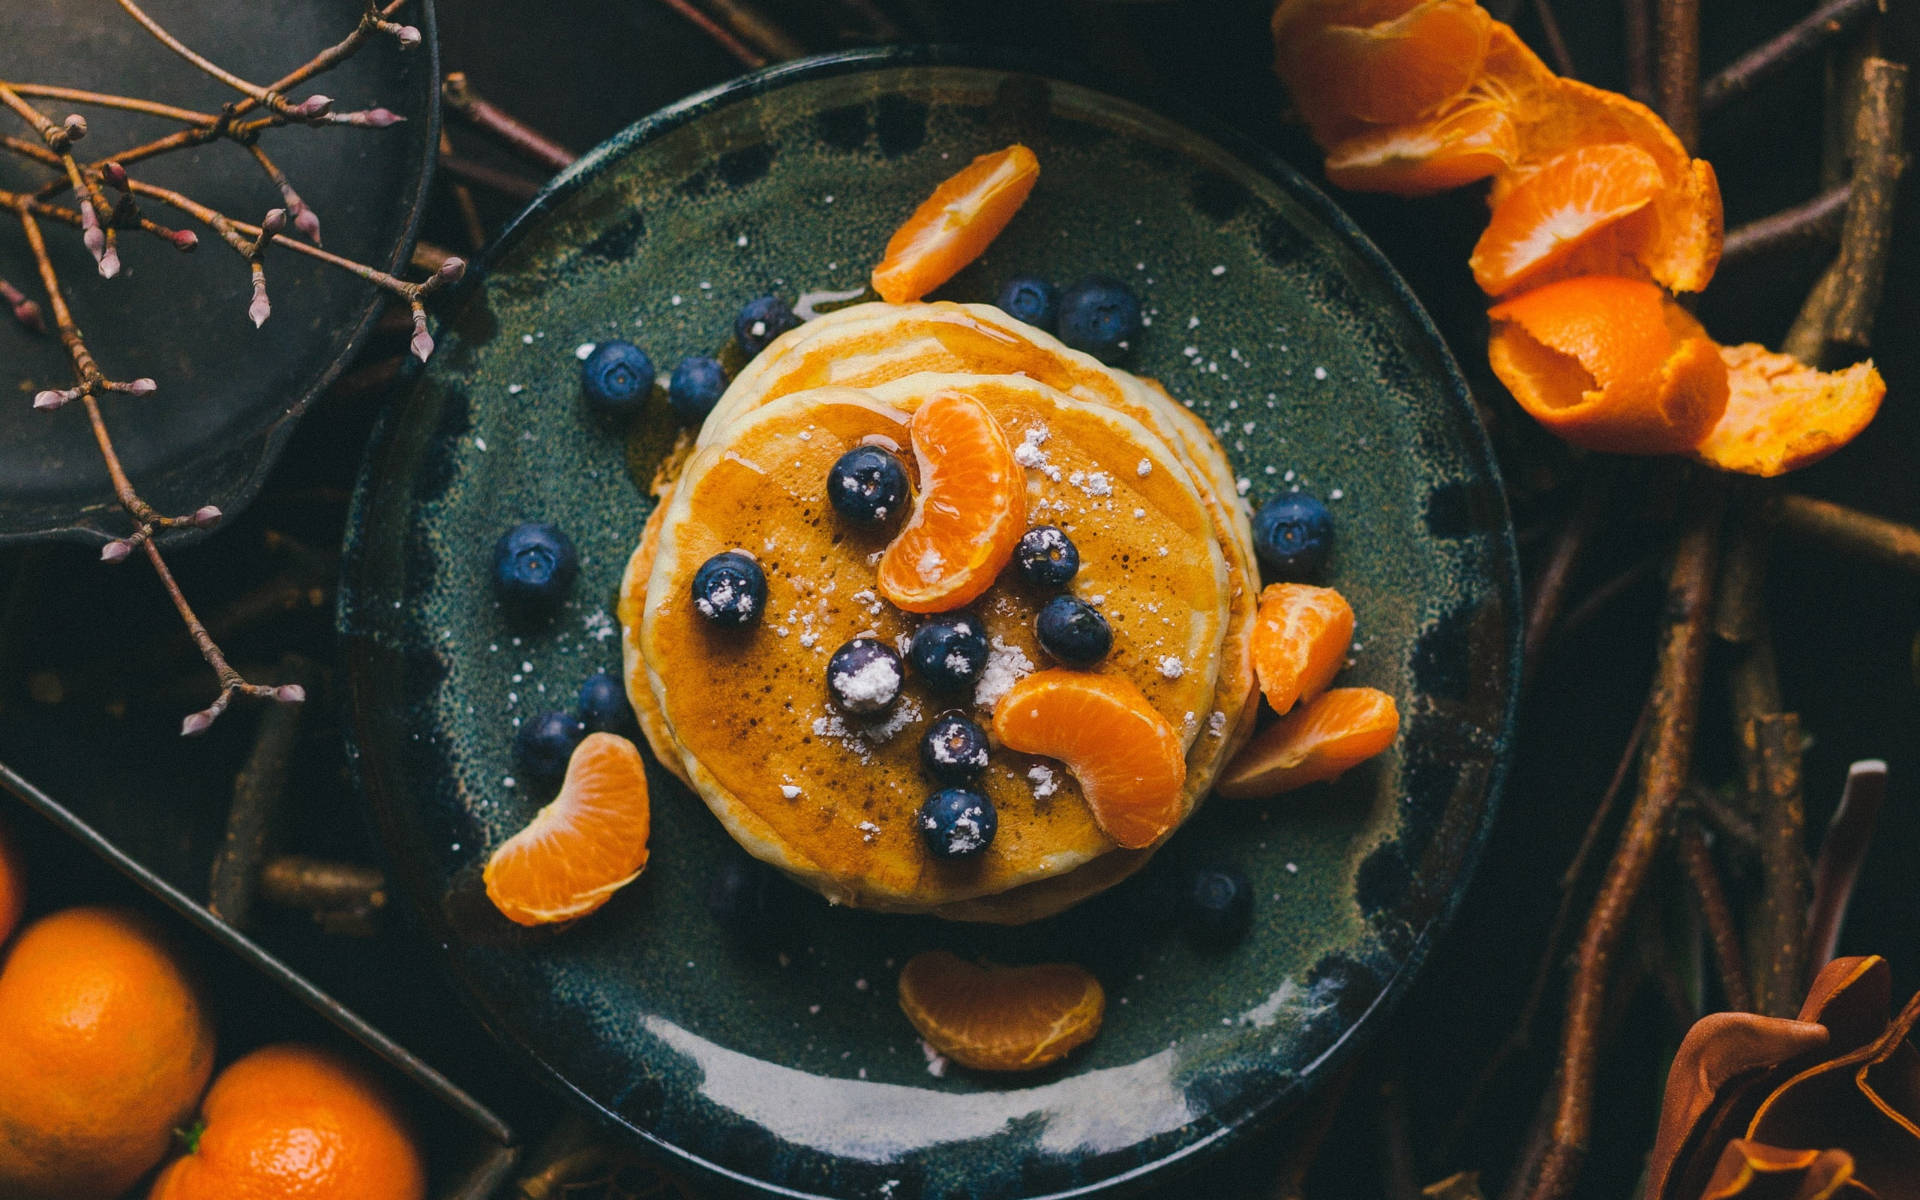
(867,487)
(695,387)
(1047,556)
(954,749)
(730,589)
(1073,631)
(864,676)
(603,704)
(543,744)
(761,320)
(1100,316)
(1031,299)
(1293,535)
(1219,905)
(618,378)
(957,823)
(949,651)
(533,566)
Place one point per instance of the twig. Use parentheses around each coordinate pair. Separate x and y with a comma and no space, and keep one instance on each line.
(24,310)
(1677,67)
(1722,933)
(1556,44)
(1815,29)
(1676,699)
(1396,1143)
(493,178)
(318,885)
(1771,745)
(1849,531)
(1639,22)
(1290,1181)
(1809,224)
(758,29)
(515,135)
(1842,851)
(1550,587)
(1729,823)
(1596,601)
(476,229)
(1879,118)
(880,26)
(152,108)
(259,794)
(747,57)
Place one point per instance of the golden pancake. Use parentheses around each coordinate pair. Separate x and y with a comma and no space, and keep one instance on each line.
(831,800)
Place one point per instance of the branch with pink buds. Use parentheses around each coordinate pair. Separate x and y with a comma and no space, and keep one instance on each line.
(99,220)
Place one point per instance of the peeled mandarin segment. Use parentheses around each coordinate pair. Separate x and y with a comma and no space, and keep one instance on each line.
(1300,640)
(1540,223)
(995,1018)
(1471,139)
(1126,757)
(13,886)
(1607,364)
(1782,415)
(1317,741)
(968,515)
(953,225)
(1353,71)
(582,848)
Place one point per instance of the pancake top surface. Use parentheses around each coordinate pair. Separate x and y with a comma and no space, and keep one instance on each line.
(832,797)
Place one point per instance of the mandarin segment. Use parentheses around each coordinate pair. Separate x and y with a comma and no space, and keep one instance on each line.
(968,515)
(997,1018)
(13,885)
(1782,415)
(1470,140)
(105,1045)
(1127,758)
(590,842)
(1609,364)
(954,224)
(1348,66)
(297,1121)
(1300,641)
(1540,223)
(1319,740)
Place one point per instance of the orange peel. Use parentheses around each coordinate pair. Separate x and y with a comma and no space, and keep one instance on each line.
(1568,204)
(1782,415)
(1609,364)
(1382,62)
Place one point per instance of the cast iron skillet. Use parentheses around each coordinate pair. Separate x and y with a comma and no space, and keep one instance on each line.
(229,393)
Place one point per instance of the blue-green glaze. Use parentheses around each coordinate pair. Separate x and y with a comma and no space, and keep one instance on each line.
(787,1067)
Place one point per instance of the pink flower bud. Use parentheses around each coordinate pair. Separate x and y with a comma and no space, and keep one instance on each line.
(451,270)
(109,262)
(313,107)
(370,118)
(407,36)
(116,551)
(27,312)
(274,222)
(422,345)
(48,400)
(142,387)
(75,126)
(259,310)
(197,723)
(290,693)
(184,239)
(206,516)
(308,223)
(114,174)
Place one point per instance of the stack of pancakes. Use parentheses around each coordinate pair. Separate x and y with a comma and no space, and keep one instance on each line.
(744,716)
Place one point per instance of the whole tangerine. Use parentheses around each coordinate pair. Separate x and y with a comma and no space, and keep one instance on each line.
(294,1120)
(104,1047)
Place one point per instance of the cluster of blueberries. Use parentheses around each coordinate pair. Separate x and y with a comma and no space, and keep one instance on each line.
(618,376)
(1098,315)
(545,742)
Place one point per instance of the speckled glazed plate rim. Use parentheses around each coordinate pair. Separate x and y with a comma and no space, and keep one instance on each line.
(272,439)
(1365,1025)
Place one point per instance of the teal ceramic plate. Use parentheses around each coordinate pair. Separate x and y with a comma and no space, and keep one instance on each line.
(781,1061)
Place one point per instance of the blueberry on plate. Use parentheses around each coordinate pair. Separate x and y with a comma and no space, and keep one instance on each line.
(1101,316)
(1073,631)
(949,651)
(761,320)
(1031,299)
(954,749)
(1219,905)
(618,378)
(730,589)
(603,704)
(1293,535)
(533,566)
(867,486)
(864,676)
(1047,556)
(957,823)
(695,387)
(543,744)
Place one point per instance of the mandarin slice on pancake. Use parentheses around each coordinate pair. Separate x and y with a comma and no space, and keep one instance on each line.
(1609,364)
(590,842)
(1319,740)
(1541,222)
(997,1018)
(968,515)
(1300,641)
(1127,758)
(1782,415)
(954,224)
